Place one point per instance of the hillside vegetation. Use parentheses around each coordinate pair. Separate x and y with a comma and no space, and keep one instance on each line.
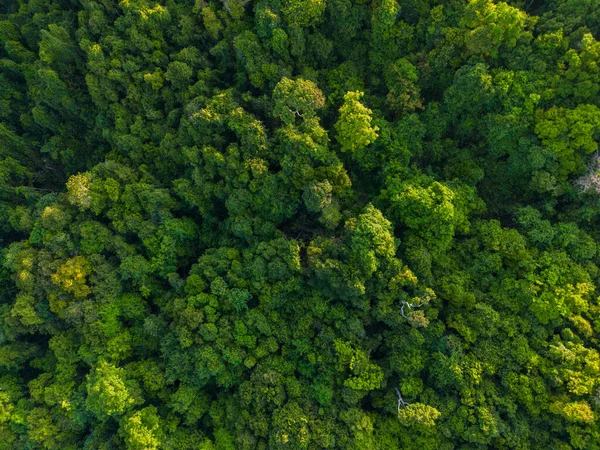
(299,224)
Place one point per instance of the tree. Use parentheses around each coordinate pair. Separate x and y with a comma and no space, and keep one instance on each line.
(354,130)
(214,236)
(568,135)
(141,430)
(295,99)
(494,26)
(110,393)
(303,13)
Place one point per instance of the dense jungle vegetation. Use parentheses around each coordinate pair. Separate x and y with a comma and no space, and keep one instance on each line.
(299,224)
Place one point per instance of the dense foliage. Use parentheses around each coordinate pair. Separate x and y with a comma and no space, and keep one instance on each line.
(299,224)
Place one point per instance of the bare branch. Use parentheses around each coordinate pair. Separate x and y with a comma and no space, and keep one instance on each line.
(401,402)
(418,303)
(591,181)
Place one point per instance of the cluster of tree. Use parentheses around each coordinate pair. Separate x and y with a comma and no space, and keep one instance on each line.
(299,224)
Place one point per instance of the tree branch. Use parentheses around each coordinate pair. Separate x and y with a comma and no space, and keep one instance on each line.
(401,402)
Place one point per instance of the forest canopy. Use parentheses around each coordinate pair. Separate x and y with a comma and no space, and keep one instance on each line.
(299,224)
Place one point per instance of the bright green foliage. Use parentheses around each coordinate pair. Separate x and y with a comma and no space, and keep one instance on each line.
(141,429)
(299,224)
(568,135)
(418,415)
(303,13)
(108,393)
(354,129)
(365,375)
(493,26)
